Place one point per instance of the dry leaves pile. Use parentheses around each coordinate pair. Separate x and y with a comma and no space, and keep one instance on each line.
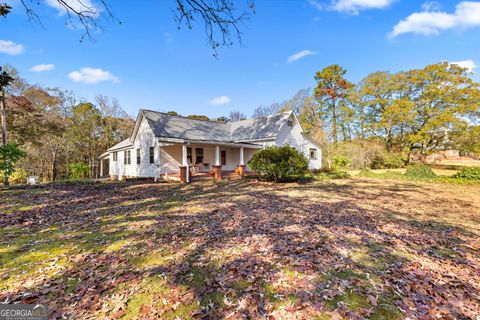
(352,249)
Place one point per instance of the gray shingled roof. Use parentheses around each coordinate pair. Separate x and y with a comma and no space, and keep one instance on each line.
(123,144)
(177,127)
(167,126)
(258,128)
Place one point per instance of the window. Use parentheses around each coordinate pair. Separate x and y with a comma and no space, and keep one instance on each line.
(223,157)
(126,157)
(152,155)
(189,155)
(198,155)
(138,156)
(290,123)
(115,156)
(313,153)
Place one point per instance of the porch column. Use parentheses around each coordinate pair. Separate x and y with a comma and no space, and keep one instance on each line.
(241,166)
(101,167)
(217,168)
(184,174)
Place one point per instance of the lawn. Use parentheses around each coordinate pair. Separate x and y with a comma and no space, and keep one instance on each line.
(348,248)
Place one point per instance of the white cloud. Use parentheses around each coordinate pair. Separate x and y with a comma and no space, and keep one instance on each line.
(42,67)
(84,6)
(92,76)
(466,15)
(352,6)
(470,65)
(299,55)
(10,47)
(218,101)
(431,6)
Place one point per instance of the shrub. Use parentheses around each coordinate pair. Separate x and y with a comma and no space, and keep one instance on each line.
(360,152)
(279,164)
(18,176)
(388,161)
(468,173)
(420,171)
(9,154)
(341,163)
(79,170)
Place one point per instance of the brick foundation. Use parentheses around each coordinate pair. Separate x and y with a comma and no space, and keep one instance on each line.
(183,174)
(217,173)
(241,170)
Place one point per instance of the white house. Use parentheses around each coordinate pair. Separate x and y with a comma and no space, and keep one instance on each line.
(162,145)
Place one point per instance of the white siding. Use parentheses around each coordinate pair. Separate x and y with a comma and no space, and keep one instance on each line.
(293,137)
(171,154)
(143,141)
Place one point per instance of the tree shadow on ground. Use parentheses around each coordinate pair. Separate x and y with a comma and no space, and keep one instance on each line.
(243,249)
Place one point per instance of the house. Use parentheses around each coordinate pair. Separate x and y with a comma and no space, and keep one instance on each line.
(162,145)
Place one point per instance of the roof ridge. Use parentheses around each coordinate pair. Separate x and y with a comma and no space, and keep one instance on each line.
(267,116)
(180,116)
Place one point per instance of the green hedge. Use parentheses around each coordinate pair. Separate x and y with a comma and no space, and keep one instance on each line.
(420,171)
(279,164)
(468,173)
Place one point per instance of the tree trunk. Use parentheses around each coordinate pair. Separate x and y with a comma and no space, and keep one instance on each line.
(54,166)
(334,122)
(4,118)
(4,130)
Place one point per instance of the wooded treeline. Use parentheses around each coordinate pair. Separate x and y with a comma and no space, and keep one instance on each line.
(398,115)
(57,131)
(381,121)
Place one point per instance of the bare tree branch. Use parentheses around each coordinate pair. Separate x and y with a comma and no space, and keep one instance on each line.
(221,21)
(221,18)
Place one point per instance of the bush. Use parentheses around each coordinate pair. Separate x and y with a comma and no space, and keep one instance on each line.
(79,170)
(341,163)
(468,173)
(18,176)
(279,164)
(360,152)
(388,161)
(420,171)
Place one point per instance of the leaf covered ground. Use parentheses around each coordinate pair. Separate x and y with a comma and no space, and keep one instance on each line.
(344,249)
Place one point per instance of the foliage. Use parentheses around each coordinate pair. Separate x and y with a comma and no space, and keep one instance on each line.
(361,152)
(341,163)
(279,164)
(420,171)
(331,175)
(18,176)
(331,89)
(236,116)
(468,173)
(9,155)
(388,161)
(198,117)
(55,129)
(79,170)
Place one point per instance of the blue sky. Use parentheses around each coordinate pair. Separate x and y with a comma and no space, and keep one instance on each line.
(146,62)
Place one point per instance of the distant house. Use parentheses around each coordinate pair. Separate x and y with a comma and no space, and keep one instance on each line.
(163,146)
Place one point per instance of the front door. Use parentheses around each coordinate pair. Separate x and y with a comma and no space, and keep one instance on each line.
(223,157)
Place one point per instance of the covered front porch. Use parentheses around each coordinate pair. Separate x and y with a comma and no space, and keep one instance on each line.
(196,160)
